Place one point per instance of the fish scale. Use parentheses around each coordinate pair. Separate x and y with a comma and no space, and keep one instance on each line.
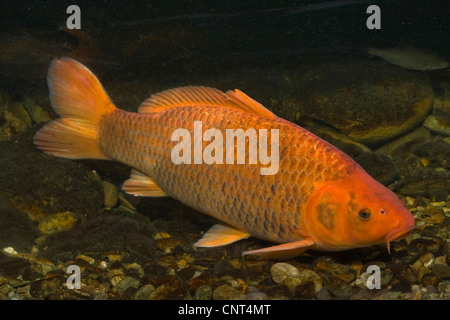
(255,207)
(319,198)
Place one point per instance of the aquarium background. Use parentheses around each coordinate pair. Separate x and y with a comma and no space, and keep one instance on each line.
(306,61)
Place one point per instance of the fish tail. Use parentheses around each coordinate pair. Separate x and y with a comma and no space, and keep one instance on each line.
(79,99)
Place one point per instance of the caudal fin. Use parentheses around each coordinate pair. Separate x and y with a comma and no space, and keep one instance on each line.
(79,98)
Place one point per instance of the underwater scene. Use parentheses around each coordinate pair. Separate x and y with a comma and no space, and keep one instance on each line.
(229,150)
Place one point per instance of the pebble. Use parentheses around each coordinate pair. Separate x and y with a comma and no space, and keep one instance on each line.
(430,279)
(438,124)
(57,222)
(404,272)
(11,125)
(10,251)
(110,195)
(442,101)
(279,292)
(254,294)
(281,271)
(167,244)
(144,292)
(441,270)
(204,292)
(425,260)
(225,292)
(37,114)
(429,216)
(47,287)
(204,279)
(171,289)
(335,285)
(344,272)
(305,290)
(126,283)
(287,274)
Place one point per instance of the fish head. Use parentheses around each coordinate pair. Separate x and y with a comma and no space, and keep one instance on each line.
(355,211)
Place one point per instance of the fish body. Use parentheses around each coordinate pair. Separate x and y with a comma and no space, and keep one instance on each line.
(318,198)
(410,58)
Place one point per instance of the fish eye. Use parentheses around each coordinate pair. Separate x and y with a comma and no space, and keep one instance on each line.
(364,214)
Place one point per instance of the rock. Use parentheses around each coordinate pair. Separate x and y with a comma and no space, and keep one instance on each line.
(126,283)
(254,294)
(306,276)
(360,294)
(335,285)
(342,271)
(111,197)
(238,283)
(281,271)
(433,184)
(116,278)
(204,279)
(419,246)
(436,151)
(405,143)
(225,292)
(10,125)
(12,266)
(369,101)
(204,292)
(403,271)
(57,222)
(324,294)
(425,260)
(169,290)
(386,277)
(442,271)
(279,292)
(438,124)
(441,103)
(47,287)
(430,216)
(287,274)
(35,111)
(305,290)
(144,292)
(167,244)
(18,110)
(430,279)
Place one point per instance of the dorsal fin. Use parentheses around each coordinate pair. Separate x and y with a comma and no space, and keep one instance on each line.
(184,96)
(202,96)
(248,104)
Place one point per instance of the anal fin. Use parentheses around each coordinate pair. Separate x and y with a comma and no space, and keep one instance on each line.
(220,235)
(285,250)
(142,185)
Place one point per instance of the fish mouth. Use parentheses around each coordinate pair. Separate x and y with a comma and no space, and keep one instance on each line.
(397,234)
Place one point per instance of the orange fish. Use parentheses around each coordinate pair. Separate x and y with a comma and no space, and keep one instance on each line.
(318,199)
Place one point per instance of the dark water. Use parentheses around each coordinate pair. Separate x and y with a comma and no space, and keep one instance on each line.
(306,61)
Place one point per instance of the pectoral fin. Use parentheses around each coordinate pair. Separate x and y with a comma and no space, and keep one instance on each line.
(285,250)
(220,235)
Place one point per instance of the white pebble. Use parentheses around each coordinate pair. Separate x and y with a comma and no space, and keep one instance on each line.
(10,250)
